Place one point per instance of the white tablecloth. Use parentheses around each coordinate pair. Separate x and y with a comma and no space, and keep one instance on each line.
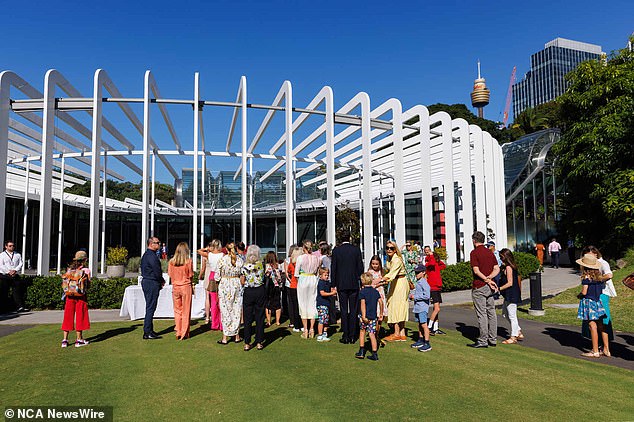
(134,303)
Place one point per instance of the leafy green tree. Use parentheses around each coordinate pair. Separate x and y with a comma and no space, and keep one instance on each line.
(547,115)
(121,190)
(347,220)
(596,153)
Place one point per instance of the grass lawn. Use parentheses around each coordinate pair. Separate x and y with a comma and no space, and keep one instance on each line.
(295,379)
(621,307)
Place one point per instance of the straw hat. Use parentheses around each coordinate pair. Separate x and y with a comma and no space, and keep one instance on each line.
(589,261)
(80,256)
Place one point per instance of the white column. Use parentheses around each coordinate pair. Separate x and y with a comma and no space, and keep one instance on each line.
(489,183)
(103,212)
(366,150)
(399,190)
(203,169)
(243,121)
(95,169)
(195,204)
(48,139)
(478,174)
(331,224)
(26,209)
(146,161)
(425,158)
(466,228)
(60,224)
(153,199)
(501,198)
(290,173)
(448,185)
(251,201)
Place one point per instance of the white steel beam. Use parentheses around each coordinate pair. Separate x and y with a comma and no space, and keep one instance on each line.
(466,227)
(146,161)
(95,170)
(196,158)
(478,174)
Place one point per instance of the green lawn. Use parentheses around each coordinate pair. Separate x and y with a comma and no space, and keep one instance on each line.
(295,379)
(621,307)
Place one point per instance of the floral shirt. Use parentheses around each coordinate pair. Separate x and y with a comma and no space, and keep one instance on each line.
(227,270)
(253,274)
(276,275)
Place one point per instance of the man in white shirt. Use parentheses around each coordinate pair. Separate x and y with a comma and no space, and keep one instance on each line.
(10,266)
(554,249)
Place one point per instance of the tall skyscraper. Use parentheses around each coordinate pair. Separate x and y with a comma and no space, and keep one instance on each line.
(545,81)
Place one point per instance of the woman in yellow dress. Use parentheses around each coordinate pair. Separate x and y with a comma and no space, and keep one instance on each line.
(397,305)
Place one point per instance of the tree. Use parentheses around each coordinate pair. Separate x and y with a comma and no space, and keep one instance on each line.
(347,221)
(121,190)
(596,153)
(543,116)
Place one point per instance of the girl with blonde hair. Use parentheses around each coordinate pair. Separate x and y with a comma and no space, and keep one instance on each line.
(181,273)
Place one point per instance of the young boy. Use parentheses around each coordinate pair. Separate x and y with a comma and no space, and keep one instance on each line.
(369,300)
(421,308)
(324,292)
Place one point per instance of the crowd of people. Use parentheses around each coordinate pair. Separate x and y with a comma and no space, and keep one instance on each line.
(245,288)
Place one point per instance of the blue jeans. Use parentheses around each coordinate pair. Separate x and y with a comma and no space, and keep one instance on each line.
(151,290)
(555,259)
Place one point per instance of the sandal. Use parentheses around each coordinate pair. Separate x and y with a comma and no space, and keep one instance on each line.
(510,340)
(606,354)
(224,343)
(520,336)
(247,347)
(259,346)
(591,355)
(238,340)
(311,333)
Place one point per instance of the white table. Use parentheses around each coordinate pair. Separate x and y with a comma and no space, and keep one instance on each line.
(133,304)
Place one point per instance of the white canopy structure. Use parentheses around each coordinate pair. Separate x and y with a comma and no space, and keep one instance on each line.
(367,155)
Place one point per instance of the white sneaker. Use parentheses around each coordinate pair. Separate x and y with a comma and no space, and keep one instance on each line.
(297,330)
(324,337)
(80,343)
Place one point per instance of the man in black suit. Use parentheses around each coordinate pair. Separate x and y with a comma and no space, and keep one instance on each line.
(346,269)
(151,283)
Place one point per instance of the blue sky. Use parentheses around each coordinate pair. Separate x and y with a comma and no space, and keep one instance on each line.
(418,52)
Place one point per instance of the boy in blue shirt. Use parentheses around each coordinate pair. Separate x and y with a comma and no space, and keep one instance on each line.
(324,293)
(369,301)
(421,297)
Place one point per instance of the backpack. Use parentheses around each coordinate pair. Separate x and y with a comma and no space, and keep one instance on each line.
(74,283)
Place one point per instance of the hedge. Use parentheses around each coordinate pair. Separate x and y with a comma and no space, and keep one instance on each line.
(459,276)
(46,292)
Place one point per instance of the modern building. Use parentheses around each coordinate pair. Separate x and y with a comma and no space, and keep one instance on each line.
(545,80)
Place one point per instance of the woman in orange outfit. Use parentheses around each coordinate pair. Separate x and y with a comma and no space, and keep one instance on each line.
(181,273)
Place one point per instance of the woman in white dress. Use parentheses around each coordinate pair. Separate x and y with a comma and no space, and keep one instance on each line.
(230,294)
(306,273)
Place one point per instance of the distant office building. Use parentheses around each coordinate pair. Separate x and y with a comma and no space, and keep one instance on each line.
(545,81)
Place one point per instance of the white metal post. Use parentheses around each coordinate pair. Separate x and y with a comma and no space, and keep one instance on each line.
(251,201)
(26,209)
(195,204)
(489,183)
(60,225)
(466,228)
(48,139)
(425,157)
(103,212)
(203,169)
(95,169)
(153,199)
(448,182)
(243,121)
(146,160)
(478,175)
(368,223)
(290,174)
(331,237)
(399,189)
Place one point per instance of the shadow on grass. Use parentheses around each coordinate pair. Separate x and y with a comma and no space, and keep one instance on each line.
(468,331)
(573,339)
(106,335)
(628,339)
(273,335)
(167,330)
(200,329)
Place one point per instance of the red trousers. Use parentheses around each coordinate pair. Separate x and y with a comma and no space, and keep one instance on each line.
(75,308)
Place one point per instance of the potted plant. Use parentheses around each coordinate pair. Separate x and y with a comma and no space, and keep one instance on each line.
(116,259)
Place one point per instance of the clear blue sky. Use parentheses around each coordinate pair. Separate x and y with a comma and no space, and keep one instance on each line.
(419,52)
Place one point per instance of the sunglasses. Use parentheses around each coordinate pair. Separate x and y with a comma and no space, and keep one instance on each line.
(390,248)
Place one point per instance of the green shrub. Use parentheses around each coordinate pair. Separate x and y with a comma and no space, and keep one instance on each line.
(134,264)
(46,292)
(526,263)
(117,255)
(457,277)
(164,264)
(442,252)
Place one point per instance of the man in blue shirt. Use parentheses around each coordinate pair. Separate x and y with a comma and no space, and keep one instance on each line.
(151,283)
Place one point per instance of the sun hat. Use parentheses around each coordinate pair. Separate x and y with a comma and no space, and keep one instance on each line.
(80,256)
(589,261)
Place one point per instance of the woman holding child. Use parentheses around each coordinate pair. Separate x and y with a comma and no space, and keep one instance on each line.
(397,305)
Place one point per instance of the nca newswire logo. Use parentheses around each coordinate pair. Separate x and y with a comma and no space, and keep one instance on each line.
(58,413)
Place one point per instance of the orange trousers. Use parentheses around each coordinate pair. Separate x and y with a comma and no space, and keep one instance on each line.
(182,296)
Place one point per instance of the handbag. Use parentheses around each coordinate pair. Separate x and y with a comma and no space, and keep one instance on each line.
(628,281)
(212,283)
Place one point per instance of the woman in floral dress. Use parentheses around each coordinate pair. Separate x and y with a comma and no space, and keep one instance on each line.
(411,258)
(230,293)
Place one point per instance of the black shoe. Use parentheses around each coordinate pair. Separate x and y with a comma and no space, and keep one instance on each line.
(360,354)
(154,333)
(150,336)
(373,356)
(492,344)
(440,332)
(478,346)
(344,340)
(432,332)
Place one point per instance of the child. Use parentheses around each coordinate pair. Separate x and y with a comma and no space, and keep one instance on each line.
(376,270)
(434,265)
(76,306)
(323,303)
(590,307)
(421,308)
(369,300)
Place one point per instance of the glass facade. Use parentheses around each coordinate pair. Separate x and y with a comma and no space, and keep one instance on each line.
(545,80)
